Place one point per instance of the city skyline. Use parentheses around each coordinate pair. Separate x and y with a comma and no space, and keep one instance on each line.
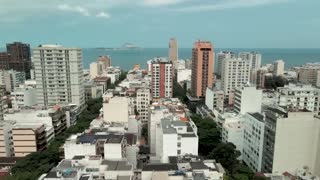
(150,23)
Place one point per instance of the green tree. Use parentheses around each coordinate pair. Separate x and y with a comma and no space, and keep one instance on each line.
(227,155)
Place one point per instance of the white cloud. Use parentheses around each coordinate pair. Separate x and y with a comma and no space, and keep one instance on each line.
(161,2)
(103,15)
(77,9)
(227,4)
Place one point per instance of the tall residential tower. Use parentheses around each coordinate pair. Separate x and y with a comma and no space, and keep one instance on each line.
(59,75)
(162,78)
(173,51)
(202,68)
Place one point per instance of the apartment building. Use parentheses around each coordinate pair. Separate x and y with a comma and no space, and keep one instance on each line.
(160,109)
(24,96)
(116,109)
(300,96)
(253,57)
(143,101)
(58,117)
(291,140)
(309,74)
(202,68)
(173,52)
(89,168)
(215,99)
(2,103)
(278,68)
(235,73)
(162,78)
(222,55)
(11,79)
(247,99)
(20,57)
(253,139)
(28,138)
(175,138)
(59,75)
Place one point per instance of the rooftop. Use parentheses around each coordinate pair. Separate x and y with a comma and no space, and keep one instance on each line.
(160,167)
(117,165)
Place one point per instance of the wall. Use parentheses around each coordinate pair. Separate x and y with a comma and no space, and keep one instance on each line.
(112,151)
(71,150)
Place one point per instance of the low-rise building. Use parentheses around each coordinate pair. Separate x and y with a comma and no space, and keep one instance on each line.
(24,96)
(175,138)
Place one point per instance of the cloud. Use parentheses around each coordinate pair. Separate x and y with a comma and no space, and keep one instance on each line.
(227,4)
(103,15)
(161,2)
(77,9)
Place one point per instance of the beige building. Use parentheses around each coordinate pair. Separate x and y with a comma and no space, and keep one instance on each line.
(309,74)
(202,68)
(11,79)
(278,68)
(173,51)
(291,141)
(28,139)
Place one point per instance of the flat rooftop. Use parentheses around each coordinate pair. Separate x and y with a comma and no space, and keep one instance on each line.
(160,167)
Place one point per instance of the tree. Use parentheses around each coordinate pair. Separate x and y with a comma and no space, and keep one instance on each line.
(227,155)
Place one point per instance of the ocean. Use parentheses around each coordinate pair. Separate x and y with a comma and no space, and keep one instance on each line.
(127,58)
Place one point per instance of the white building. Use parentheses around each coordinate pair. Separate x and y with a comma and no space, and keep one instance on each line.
(215,99)
(90,168)
(24,96)
(113,73)
(309,73)
(247,99)
(252,152)
(184,75)
(291,140)
(143,101)
(11,79)
(254,57)
(235,73)
(157,111)
(232,131)
(175,138)
(299,96)
(59,75)
(278,69)
(116,109)
(221,56)
(162,78)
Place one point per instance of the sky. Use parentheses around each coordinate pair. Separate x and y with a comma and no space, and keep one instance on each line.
(150,23)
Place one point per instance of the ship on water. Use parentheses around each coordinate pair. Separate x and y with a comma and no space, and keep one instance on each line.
(126,46)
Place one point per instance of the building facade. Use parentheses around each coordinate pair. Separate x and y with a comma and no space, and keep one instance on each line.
(235,73)
(162,78)
(20,57)
(222,55)
(11,79)
(59,75)
(278,68)
(173,51)
(215,99)
(300,96)
(291,140)
(143,101)
(202,68)
(244,101)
